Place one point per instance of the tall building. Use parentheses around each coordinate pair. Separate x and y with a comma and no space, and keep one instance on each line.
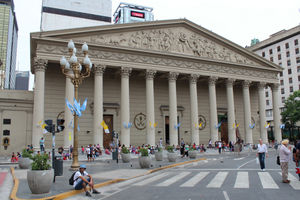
(8,44)
(22,80)
(282,48)
(57,14)
(129,13)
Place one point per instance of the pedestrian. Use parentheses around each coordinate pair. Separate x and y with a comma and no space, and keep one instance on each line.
(210,144)
(160,142)
(284,154)
(220,146)
(83,179)
(14,158)
(262,153)
(71,152)
(88,153)
(296,157)
(42,143)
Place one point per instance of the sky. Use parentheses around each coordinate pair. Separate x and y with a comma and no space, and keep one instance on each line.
(236,20)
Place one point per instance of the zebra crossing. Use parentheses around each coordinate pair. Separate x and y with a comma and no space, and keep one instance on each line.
(214,179)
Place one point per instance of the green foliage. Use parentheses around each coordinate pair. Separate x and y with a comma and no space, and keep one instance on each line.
(144,152)
(40,162)
(125,150)
(170,149)
(291,112)
(27,154)
(159,149)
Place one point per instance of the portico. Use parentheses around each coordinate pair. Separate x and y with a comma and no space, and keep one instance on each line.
(143,66)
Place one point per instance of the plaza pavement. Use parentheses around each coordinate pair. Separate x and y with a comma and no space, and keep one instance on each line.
(104,171)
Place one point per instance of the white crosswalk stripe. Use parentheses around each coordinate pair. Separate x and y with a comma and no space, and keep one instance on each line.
(173,179)
(196,179)
(218,180)
(242,180)
(294,181)
(267,181)
(152,179)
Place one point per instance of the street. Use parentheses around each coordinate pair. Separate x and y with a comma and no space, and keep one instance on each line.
(228,177)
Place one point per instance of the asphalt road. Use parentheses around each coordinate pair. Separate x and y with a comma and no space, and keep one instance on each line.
(228,177)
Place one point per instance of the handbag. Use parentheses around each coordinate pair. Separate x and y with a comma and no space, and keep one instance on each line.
(278,160)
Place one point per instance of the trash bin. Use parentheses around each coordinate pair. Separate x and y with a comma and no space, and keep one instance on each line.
(58,166)
(114,155)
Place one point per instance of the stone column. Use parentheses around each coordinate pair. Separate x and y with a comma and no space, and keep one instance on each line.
(213,108)
(150,107)
(38,98)
(125,111)
(262,112)
(276,111)
(98,104)
(194,108)
(173,132)
(230,110)
(247,112)
(69,95)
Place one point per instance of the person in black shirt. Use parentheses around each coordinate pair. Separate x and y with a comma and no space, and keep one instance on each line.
(296,157)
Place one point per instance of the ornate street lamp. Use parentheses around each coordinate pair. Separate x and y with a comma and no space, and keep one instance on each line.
(79,73)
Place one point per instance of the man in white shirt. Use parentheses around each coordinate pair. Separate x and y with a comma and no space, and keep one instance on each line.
(83,179)
(262,152)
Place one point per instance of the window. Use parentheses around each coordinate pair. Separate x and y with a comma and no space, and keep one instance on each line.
(298,69)
(282,99)
(271,59)
(290,80)
(289,71)
(280,64)
(298,60)
(298,78)
(281,82)
(287,54)
(268,113)
(291,89)
(267,94)
(6,121)
(297,51)
(296,42)
(268,102)
(288,63)
(279,56)
(282,90)
(280,74)
(6,132)
(271,51)
(278,49)
(263,54)
(287,45)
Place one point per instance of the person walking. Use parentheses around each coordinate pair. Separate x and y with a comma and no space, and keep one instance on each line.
(220,146)
(296,157)
(42,143)
(284,154)
(262,152)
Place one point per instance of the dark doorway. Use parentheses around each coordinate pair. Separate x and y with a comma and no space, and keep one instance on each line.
(107,137)
(167,136)
(224,127)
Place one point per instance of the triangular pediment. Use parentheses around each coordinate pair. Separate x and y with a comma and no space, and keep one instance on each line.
(179,37)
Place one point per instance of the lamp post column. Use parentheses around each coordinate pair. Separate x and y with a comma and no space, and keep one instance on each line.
(230,111)
(69,95)
(276,111)
(38,105)
(150,107)
(173,132)
(98,104)
(213,108)
(247,112)
(194,108)
(125,111)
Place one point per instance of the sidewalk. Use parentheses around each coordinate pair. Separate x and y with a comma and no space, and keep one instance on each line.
(104,170)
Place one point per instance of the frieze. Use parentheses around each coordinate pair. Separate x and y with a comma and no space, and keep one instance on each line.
(144,59)
(175,40)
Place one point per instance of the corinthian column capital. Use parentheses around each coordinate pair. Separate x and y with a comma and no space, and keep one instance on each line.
(262,85)
(275,86)
(40,64)
(193,78)
(126,71)
(150,74)
(173,76)
(230,81)
(99,69)
(246,83)
(212,80)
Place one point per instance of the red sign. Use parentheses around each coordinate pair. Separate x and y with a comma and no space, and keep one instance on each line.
(137,14)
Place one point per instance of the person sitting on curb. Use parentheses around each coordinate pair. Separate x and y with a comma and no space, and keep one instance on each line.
(83,179)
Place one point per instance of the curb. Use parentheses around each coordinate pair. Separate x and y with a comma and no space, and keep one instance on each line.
(13,194)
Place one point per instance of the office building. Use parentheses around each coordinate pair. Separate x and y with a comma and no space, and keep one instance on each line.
(8,44)
(22,80)
(66,14)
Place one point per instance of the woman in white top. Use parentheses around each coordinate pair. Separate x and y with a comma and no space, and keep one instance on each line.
(262,152)
(284,154)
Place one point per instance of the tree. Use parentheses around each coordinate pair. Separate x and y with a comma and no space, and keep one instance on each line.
(291,112)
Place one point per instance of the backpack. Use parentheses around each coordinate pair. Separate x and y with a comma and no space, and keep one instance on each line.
(71,180)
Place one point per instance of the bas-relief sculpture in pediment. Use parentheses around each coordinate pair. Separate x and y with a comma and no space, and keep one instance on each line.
(173,40)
